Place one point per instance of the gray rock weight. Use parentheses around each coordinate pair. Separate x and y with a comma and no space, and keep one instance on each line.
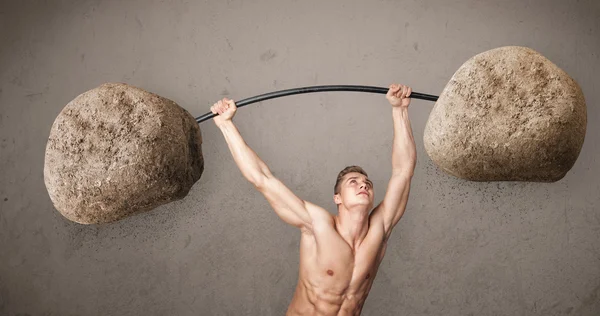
(508,114)
(117,150)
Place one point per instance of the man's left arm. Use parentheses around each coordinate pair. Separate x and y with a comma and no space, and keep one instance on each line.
(404,157)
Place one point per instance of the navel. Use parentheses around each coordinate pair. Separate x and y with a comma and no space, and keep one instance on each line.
(368,276)
(330,272)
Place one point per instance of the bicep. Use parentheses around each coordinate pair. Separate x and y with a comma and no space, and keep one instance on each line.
(391,209)
(290,208)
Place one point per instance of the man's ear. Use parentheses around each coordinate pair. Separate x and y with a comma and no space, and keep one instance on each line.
(337,199)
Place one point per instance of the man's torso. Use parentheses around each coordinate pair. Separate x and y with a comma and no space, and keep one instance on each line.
(335,279)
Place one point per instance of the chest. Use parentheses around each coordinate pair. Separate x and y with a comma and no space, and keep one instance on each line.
(328,260)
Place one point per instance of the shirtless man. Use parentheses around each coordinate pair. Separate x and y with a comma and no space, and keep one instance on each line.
(339,255)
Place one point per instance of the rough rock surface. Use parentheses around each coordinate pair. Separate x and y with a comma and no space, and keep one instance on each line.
(508,114)
(117,150)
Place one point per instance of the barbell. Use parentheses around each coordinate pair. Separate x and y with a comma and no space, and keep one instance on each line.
(507,114)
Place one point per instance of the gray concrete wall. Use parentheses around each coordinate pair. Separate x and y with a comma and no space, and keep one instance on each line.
(462,248)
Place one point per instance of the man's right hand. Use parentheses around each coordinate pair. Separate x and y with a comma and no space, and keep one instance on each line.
(226,109)
(399,95)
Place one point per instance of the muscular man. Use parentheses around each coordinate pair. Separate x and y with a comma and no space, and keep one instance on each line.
(339,255)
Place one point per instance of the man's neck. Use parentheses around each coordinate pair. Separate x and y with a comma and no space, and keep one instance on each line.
(352,225)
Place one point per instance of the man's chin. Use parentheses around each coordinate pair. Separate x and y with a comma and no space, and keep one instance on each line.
(363,204)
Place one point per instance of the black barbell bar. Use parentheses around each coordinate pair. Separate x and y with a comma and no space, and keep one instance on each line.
(312,89)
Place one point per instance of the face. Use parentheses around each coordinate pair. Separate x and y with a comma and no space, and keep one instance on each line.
(355,189)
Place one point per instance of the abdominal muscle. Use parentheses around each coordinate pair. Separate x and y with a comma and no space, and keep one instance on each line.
(311,301)
(337,281)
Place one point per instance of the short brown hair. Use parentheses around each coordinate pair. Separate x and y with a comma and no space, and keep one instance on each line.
(347,170)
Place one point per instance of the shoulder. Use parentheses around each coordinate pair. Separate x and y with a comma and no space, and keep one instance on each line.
(375,217)
(320,217)
(376,220)
(317,212)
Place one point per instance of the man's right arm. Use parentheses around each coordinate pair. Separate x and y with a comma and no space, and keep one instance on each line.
(286,204)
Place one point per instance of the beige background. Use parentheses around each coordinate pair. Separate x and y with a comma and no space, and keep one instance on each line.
(463,248)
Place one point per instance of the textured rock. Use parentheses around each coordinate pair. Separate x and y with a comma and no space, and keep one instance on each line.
(117,150)
(508,114)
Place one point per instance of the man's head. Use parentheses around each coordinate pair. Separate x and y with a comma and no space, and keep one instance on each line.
(353,187)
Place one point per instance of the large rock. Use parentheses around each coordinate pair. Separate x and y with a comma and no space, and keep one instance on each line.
(508,114)
(117,150)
